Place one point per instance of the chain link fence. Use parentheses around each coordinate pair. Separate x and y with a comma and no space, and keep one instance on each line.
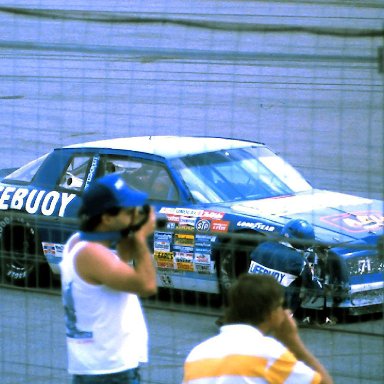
(304,77)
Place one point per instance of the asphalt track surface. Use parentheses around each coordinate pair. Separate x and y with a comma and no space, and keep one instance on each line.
(75,71)
(316,99)
(32,348)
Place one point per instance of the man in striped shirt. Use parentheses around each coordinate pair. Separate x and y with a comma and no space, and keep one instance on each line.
(258,343)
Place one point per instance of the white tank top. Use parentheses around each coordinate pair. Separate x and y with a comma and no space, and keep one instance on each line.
(106,330)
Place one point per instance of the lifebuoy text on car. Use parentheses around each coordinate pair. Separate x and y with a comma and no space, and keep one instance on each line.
(34,200)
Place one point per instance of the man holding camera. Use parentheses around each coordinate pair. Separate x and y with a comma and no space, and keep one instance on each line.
(106,331)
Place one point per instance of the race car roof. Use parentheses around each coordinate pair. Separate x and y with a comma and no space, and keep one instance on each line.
(168,146)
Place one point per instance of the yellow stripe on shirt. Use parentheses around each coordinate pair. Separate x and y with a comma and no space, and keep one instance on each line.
(283,367)
(231,365)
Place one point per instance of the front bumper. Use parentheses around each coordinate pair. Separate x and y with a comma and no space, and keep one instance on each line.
(358,299)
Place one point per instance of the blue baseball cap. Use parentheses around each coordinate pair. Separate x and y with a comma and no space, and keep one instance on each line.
(108,192)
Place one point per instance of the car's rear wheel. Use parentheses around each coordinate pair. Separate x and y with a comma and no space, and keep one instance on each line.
(21,260)
(233,260)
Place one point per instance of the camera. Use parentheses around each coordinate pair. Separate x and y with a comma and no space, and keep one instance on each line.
(144,212)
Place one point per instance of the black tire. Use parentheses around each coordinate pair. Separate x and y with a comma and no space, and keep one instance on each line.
(22,263)
(233,260)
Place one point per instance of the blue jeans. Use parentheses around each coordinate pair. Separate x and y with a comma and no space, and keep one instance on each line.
(131,376)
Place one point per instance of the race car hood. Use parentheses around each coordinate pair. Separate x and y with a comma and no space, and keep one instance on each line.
(337,217)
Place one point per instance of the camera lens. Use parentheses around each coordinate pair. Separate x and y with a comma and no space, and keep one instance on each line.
(161,222)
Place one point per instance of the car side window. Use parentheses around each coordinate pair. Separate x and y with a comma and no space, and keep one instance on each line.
(76,172)
(146,176)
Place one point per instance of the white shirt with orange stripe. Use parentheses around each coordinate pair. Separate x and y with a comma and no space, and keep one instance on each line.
(241,354)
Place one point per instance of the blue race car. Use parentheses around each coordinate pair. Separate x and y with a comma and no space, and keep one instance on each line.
(219,197)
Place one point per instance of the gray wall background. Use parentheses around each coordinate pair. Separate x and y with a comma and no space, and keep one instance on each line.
(301,76)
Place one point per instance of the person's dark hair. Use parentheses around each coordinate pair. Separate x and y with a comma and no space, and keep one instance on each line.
(88,224)
(252,298)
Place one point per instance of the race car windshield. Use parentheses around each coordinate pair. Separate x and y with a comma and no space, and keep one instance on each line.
(239,174)
(26,173)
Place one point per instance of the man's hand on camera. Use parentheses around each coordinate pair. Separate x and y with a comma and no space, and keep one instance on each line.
(148,227)
(129,246)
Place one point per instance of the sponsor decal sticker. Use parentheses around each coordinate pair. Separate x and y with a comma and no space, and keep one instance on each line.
(182,249)
(220,226)
(52,251)
(161,245)
(184,256)
(49,249)
(260,226)
(213,215)
(185,228)
(164,259)
(173,218)
(202,258)
(172,212)
(34,201)
(203,225)
(184,239)
(184,266)
(162,241)
(283,278)
(187,221)
(182,211)
(171,226)
(356,221)
(204,240)
(203,268)
(92,170)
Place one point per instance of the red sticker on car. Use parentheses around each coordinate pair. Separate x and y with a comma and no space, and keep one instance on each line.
(356,221)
